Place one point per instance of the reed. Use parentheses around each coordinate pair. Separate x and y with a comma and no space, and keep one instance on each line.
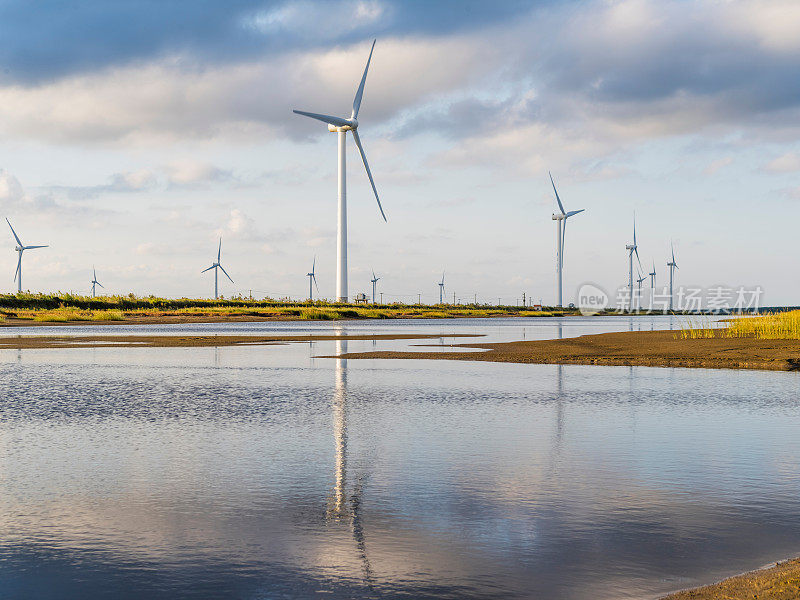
(771,326)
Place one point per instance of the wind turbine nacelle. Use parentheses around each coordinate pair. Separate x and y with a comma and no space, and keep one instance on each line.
(337,128)
(557,217)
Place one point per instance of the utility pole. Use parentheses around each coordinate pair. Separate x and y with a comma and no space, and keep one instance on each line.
(381,297)
(475,302)
(454,297)
(419,299)
(523,299)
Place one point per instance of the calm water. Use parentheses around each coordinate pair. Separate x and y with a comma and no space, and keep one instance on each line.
(264,472)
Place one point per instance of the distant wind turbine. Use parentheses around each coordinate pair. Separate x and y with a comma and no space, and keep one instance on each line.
(632,248)
(95,282)
(20,248)
(562,232)
(215,266)
(652,284)
(312,277)
(374,280)
(672,266)
(640,279)
(342,126)
(441,289)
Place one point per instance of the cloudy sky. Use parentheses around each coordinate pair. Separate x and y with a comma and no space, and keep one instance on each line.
(134,133)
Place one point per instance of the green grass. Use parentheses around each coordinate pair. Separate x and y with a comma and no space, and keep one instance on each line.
(69,307)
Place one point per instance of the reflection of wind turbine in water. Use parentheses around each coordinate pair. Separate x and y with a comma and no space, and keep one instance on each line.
(338,509)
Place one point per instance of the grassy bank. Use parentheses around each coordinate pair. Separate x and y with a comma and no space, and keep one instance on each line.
(66,308)
(771,326)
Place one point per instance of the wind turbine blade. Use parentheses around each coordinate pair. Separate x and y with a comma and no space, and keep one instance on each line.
(226,273)
(636,249)
(100,284)
(575,212)
(219,250)
(561,206)
(563,243)
(369,174)
(19,266)
(338,121)
(32,247)
(314,277)
(208,269)
(360,91)
(314,264)
(16,237)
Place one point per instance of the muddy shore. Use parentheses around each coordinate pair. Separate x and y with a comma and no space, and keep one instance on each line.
(630,348)
(187,341)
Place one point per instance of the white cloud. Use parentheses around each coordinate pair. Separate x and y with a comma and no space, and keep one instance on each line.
(786,163)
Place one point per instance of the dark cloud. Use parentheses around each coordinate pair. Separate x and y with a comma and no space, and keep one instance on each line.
(48,39)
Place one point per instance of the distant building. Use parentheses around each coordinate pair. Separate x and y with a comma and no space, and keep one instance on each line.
(361,298)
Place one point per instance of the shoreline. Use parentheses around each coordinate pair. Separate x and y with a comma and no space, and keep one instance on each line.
(36,342)
(776,581)
(630,348)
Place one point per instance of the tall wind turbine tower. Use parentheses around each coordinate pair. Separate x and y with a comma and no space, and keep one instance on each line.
(20,248)
(639,280)
(441,289)
(312,277)
(632,248)
(672,266)
(341,127)
(374,280)
(217,265)
(95,282)
(561,219)
(652,275)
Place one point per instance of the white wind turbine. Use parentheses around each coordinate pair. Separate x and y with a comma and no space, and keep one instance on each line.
(652,275)
(562,232)
(639,280)
(342,126)
(217,265)
(312,277)
(95,282)
(441,289)
(20,248)
(631,248)
(374,280)
(672,266)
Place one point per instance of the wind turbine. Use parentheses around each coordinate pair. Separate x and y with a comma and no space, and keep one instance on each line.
(672,266)
(374,280)
(215,266)
(312,277)
(20,248)
(631,248)
(341,127)
(639,280)
(652,284)
(562,232)
(441,289)
(94,281)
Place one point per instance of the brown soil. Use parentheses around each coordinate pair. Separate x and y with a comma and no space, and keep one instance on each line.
(635,348)
(174,341)
(781,582)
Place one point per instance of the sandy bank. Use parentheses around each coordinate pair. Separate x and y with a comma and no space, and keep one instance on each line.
(177,341)
(781,582)
(636,348)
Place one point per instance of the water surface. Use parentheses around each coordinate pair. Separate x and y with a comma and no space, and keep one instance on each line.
(264,472)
